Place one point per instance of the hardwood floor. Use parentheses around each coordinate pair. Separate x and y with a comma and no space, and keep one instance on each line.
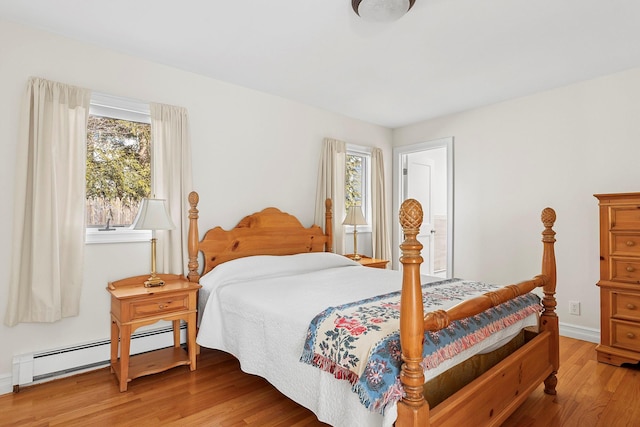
(216,394)
(590,394)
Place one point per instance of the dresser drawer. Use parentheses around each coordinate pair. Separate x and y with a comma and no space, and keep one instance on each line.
(625,335)
(625,270)
(624,218)
(157,306)
(625,306)
(625,244)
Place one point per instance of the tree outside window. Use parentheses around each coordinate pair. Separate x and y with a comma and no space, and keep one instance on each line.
(118,170)
(353,180)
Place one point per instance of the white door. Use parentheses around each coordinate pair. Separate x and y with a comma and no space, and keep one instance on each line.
(424,172)
(418,179)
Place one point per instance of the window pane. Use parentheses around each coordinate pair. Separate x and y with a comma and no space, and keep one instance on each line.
(353,189)
(118,170)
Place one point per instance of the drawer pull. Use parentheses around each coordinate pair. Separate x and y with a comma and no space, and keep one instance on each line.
(630,243)
(631,335)
(631,306)
(630,269)
(161,306)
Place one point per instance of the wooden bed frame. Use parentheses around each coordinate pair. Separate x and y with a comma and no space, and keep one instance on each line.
(490,398)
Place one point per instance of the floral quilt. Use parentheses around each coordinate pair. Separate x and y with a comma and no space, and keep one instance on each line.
(360,342)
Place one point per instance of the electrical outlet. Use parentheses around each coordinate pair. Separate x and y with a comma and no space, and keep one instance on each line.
(574,308)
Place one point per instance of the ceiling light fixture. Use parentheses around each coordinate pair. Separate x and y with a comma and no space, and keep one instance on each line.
(381,10)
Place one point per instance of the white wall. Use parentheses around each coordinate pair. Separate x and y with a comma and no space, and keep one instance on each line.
(555,149)
(250,151)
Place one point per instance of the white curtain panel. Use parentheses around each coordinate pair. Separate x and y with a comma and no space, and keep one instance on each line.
(172,176)
(48,236)
(379,221)
(331,182)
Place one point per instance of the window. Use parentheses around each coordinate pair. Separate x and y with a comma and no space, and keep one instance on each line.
(357,180)
(118,172)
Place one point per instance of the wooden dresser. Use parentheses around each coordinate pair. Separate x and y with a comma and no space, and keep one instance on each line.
(619,278)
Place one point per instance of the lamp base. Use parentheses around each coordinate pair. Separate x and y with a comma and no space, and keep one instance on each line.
(153,281)
(356,257)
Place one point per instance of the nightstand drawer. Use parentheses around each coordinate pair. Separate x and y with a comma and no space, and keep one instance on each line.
(625,335)
(625,306)
(625,270)
(154,307)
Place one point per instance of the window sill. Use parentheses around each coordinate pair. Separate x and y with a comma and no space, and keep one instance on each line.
(118,235)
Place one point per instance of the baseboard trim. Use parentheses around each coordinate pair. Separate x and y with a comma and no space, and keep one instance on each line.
(6,385)
(580,332)
(42,366)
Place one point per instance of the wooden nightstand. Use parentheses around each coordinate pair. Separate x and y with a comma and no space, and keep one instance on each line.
(370,262)
(133,305)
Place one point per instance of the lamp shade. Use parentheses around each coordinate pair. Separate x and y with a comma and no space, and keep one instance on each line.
(354,216)
(381,10)
(153,215)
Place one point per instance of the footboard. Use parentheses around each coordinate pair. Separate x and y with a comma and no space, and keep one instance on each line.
(492,397)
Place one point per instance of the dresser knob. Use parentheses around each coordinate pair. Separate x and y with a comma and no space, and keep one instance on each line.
(631,306)
(630,243)
(161,306)
(631,335)
(630,269)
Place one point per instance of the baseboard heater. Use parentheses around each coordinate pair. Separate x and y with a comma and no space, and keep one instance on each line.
(33,368)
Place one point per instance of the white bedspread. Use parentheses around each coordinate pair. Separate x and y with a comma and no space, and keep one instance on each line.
(259,309)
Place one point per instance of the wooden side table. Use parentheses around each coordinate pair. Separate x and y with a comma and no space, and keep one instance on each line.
(370,262)
(133,306)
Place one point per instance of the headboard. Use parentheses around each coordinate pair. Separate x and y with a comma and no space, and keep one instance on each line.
(268,232)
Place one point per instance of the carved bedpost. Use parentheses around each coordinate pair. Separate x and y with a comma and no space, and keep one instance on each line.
(549,318)
(193,238)
(413,409)
(328,225)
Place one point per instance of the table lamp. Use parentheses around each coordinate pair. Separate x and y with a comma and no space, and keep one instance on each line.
(153,216)
(354,217)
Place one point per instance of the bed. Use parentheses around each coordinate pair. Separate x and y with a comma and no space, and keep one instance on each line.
(267,281)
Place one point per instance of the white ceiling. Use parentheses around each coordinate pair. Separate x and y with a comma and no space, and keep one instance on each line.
(444,56)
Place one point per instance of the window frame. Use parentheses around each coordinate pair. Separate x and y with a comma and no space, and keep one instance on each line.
(365,153)
(126,109)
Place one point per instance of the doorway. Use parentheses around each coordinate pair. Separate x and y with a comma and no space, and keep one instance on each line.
(424,172)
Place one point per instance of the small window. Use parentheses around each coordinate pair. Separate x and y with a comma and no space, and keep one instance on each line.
(357,180)
(118,174)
